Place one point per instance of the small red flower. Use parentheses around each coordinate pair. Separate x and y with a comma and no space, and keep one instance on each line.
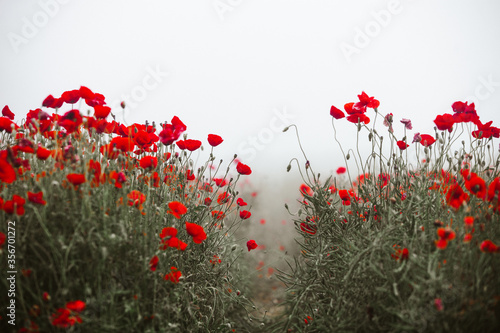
(15,206)
(223,198)
(243,169)
(444,122)
(456,197)
(245,214)
(71,96)
(367,101)
(196,231)
(341,170)
(240,202)
(7,113)
(220,182)
(43,153)
(251,245)
(46,296)
(148,162)
(36,198)
(153,263)
(174,275)
(190,175)
(489,247)
(218,215)
(136,198)
(123,144)
(402,145)
(469,221)
(336,113)
(76,306)
(189,144)
(426,140)
(438,303)
(214,140)
(76,178)
(7,172)
(176,209)
(306,190)
(101,111)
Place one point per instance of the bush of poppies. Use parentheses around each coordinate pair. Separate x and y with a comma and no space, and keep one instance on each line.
(113,228)
(406,239)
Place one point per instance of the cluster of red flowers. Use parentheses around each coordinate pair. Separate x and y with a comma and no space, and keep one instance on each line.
(135,155)
(466,113)
(68,316)
(356,111)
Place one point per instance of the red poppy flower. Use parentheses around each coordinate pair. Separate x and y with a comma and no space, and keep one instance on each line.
(196,231)
(169,239)
(76,306)
(218,215)
(16,205)
(426,140)
(172,132)
(476,185)
(190,175)
(367,101)
(207,202)
(344,195)
(174,275)
(336,113)
(456,197)
(176,209)
(7,125)
(402,145)
(485,131)
(446,233)
(36,198)
(153,263)
(306,190)
(358,118)
(7,172)
(214,140)
(71,96)
(489,247)
(76,178)
(70,121)
(251,245)
(402,254)
(64,319)
(469,221)
(136,198)
(341,170)
(101,111)
(245,214)
(123,144)
(148,162)
(7,113)
(243,169)
(43,153)
(223,198)
(444,122)
(464,112)
(241,202)
(189,144)
(220,182)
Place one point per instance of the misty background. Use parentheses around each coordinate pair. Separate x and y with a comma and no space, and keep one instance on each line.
(246,69)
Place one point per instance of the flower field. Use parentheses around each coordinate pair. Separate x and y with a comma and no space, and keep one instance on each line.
(115,228)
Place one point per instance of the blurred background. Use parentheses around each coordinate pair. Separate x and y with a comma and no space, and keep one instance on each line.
(246,69)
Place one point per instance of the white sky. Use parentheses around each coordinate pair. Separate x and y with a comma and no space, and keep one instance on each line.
(233,65)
